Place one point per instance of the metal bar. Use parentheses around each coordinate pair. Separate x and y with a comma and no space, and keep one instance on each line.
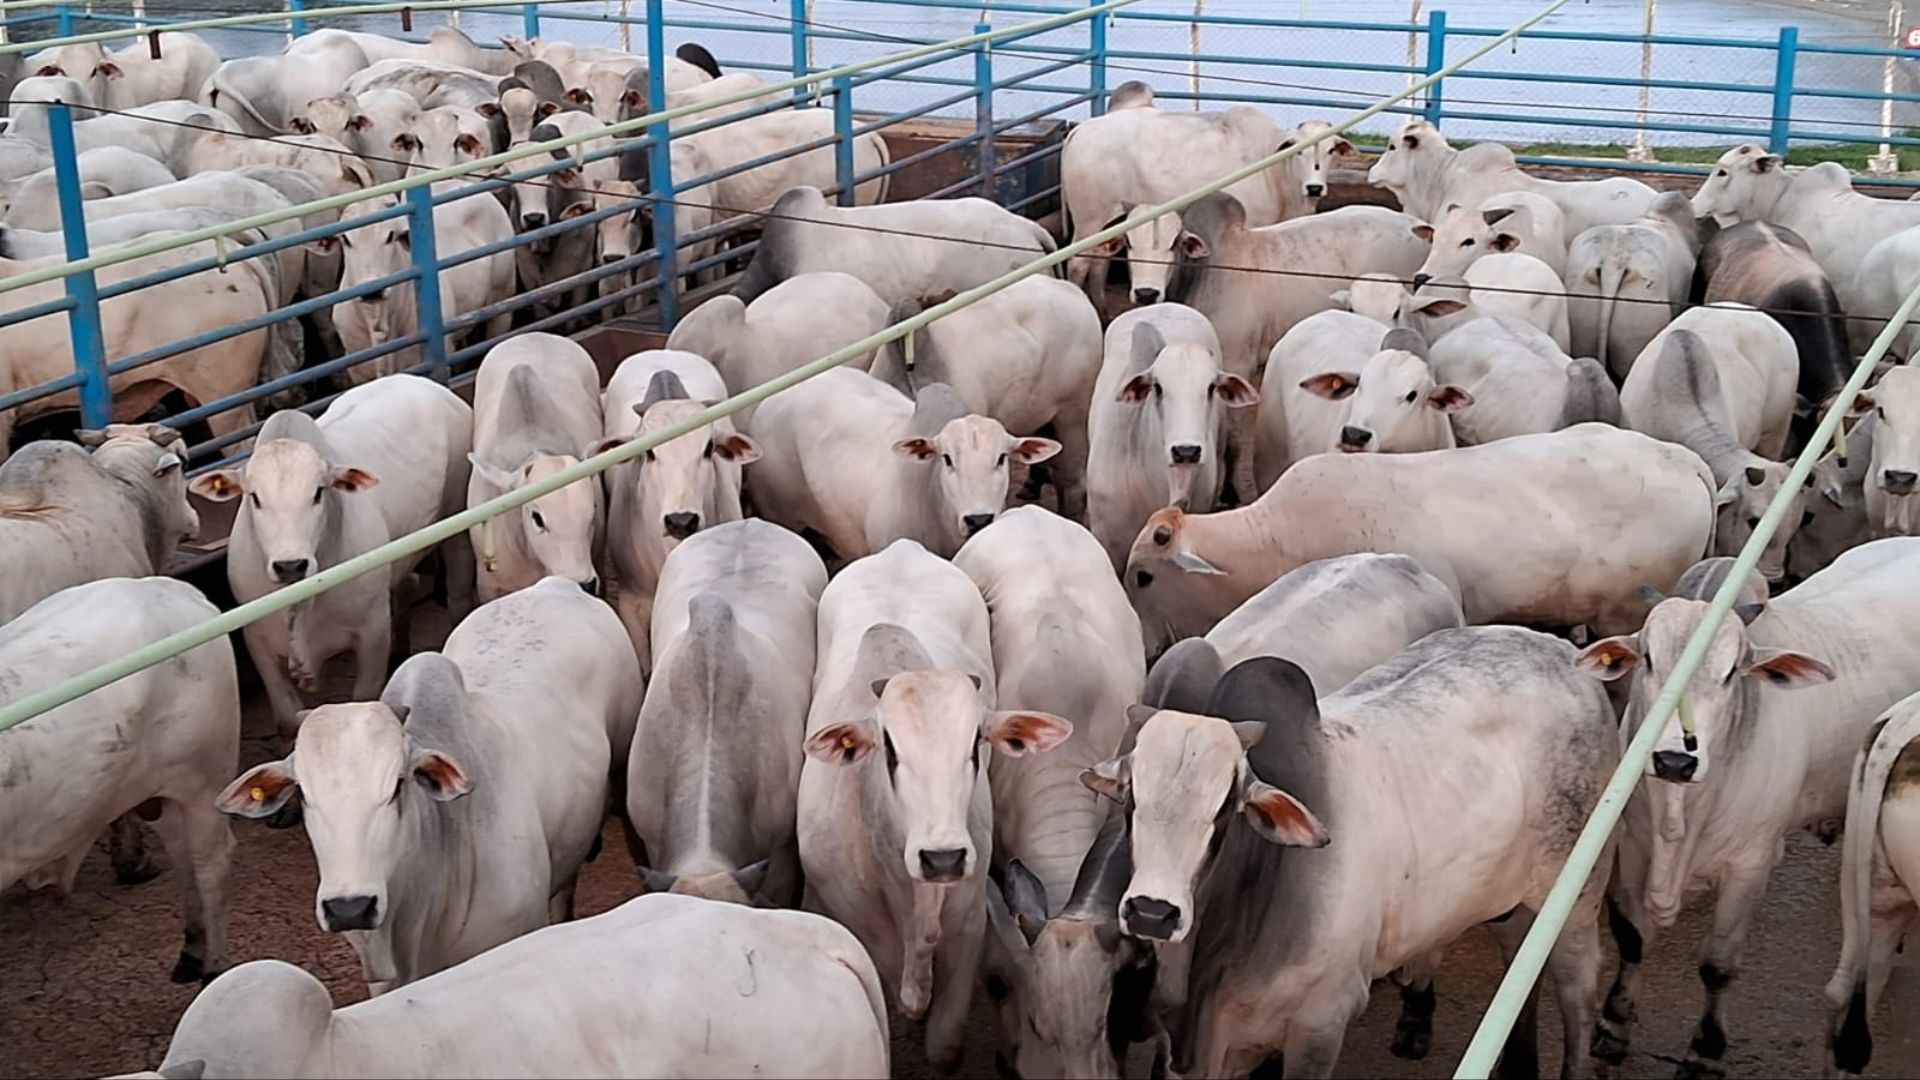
(298,25)
(1436,60)
(530,22)
(31,705)
(36,393)
(1516,988)
(83,318)
(1097,67)
(843,140)
(660,167)
(258,322)
(1783,90)
(63,19)
(797,24)
(528,150)
(254,18)
(983,111)
(421,242)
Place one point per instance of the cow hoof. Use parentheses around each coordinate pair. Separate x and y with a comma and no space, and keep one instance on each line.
(1607,1047)
(914,1001)
(1412,1039)
(190,969)
(135,873)
(1698,1069)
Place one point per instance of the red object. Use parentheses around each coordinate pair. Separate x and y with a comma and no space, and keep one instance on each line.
(1912,38)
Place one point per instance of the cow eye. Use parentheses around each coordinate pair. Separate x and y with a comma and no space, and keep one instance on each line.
(707,451)
(1720,173)
(317,493)
(1753,523)
(649,455)
(1468,242)
(539,522)
(948,459)
(1003,458)
(976,754)
(1211,389)
(1806,518)
(399,785)
(254,498)
(1157,391)
(1411,394)
(1880,411)
(893,756)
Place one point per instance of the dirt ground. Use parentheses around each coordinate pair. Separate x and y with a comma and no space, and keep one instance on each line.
(84,989)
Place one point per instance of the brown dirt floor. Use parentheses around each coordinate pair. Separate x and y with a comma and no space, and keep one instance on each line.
(84,990)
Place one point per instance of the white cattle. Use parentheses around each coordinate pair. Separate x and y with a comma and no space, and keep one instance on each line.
(1064,642)
(536,411)
(366,123)
(166,131)
(1421,783)
(895,845)
(1719,381)
(1342,382)
(1890,484)
(1158,413)
(41,350)
(1716,804)
(105,171)
(863,465)
(422,880)
(326,159)
(1425,173)
(1114,164)
(1626,282)
(134,75)
(444,44)
(383,249)
(797,321)
(1027,356)
(1839,224)
(1335,618)
(1890,270)
(1879,880)
(676,489)
(161,740)
(67,517)
(385,459)
(260,93)
(756,190)
(220,190)
(715,770)
(445,136)
(431,84)
(1645,518)
(1521,382)
(1512,221)
(1514,285)
(902,251)
(583,998)
(1377,296)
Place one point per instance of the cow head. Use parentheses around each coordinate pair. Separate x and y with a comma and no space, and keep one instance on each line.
(1188,779)
(292,501)
(971,462)
(684,484)
(151,456)
(360,774)
(1394,406)
(1313,167)
(1437,307)
(1183,391)
(1414,158)
(1893,472)
(1462,236)
(557,529)
(1745,185)
(1747,494)
(444,137)
(738,886)
(1721,696)
(1150,254)
(930,728)
(624,233)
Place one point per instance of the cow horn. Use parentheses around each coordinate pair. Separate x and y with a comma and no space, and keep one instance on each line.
(1496,215)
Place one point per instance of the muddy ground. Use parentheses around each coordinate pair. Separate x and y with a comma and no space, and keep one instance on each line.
(84,990)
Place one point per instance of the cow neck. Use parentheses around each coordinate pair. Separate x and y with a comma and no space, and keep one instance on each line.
(1431,175)
(133,475)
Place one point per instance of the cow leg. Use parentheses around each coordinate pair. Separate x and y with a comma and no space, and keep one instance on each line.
(1632,931)
(1313,1041)
(286,701)
(1413,1033)
(957,969)
(1574,964)
(371,647)
(1520,1057)
(1070,467)
(127,848)
(1849,1038)
(201,845)
(456,567)
(1740,895)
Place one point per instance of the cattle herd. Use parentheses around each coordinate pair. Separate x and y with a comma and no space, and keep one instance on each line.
(1373,534)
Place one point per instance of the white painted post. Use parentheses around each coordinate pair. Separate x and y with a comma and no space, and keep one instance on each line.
(1886,162)
(1640,150)
(1413,42)
(626,28)
(1193,50)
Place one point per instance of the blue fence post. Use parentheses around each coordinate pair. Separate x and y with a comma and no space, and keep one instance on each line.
(660,172)
(63,19)
(530,20)
(843,139)
(1436,60)
(294,8)
(1783,90)
(426,287)
(83,317)
(797,31)
(1097,60)
(983,107)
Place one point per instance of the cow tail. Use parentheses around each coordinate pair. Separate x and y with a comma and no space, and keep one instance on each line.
(1611,281)
(1850,1041)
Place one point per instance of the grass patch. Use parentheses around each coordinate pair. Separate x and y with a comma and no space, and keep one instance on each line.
(1852,155)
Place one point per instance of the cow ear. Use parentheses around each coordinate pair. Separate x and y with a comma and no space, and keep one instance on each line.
(1449,398)
(360,122)
(1863,403)
(406,142)
(1505,241)
(301,125)
(1192,246)
(492,474)
(1135,390)
(632,99)
(260,791)
(843,744)
(1726,494)
(1788,670)
(1283,146)
(1017,734)
(577,96)
(90,437)
(110,69)
(324,245)
(1190,563)
(546,109)
(223,485)
(605,445)
(1026,898)
(578,209)
(737,448)
(1332,385)
(348,478)
(467,143)
(1440,309)
(1766,162)
(567,178)
(1608,658)
(1235,391)
(441,776)
(1342,146)
(1107,249)
(166,463)
(1111,777)
(1280,818)
(1033,451)
(917,449)
(488,109)
(1424,231)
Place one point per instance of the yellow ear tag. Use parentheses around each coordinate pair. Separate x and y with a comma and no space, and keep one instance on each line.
(846,742)
(259,794)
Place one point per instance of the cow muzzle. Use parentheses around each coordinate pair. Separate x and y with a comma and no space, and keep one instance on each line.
(1147,917)
(286,571)
(1184,454)
(1354,440)
(681,525)
(1314,191)
(1143,297)
(1898,481)
(341,913)
(973,523)
(943,864)
(1675,766)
